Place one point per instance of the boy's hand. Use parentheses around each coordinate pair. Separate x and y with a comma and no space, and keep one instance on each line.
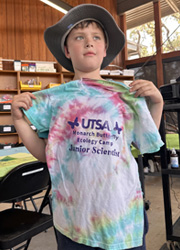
(147,89)
(23,100)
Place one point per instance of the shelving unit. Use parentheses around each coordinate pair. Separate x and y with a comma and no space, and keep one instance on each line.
(10,84)
(172,229)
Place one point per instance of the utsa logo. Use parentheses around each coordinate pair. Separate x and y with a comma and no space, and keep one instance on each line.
(118,128)
(75,123)
(94,124)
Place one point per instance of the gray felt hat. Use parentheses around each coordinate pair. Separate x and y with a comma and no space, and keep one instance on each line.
(55,35)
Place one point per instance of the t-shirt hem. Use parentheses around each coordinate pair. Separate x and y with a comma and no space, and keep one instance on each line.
(119,246)
(151,150)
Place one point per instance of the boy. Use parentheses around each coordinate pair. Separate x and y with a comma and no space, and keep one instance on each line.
(85,129)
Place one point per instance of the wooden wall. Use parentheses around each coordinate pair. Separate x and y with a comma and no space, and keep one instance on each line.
(22,25)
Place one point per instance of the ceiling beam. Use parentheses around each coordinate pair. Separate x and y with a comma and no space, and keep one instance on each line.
(173,5)
(125,5)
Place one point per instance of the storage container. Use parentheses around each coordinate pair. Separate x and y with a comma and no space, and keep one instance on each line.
(28,87)
(5,107)
(51,85)
(7,129)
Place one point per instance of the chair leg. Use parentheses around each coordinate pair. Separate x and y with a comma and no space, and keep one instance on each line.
(24,246)
(25,205)
(27,244)
(45,200)
(34,204)
(50,208)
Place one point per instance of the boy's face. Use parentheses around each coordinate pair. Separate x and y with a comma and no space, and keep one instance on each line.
(86,47)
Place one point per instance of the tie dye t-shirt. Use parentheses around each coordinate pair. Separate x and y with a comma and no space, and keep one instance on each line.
(96,192)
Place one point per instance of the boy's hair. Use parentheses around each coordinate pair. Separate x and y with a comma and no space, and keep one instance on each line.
(85,24)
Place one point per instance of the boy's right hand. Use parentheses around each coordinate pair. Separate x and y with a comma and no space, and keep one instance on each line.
(23,100)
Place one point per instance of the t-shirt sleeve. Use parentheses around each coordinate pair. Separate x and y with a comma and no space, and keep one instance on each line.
(145,135)
(40,113)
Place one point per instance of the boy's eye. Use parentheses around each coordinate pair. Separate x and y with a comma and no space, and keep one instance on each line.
(79,38)
(97,38)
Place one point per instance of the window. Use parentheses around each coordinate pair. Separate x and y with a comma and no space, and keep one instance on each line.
(141,41)
(171,32)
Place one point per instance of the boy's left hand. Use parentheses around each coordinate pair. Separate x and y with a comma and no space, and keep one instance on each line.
(146,89)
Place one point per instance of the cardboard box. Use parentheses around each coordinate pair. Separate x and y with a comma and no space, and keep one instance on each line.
(128,72)
(45,67)
(17,65)
(25,67)
(32,67)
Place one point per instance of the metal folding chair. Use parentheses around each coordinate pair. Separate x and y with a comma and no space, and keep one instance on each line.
(18,226)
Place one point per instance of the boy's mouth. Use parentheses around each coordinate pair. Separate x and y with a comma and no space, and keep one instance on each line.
(89,53)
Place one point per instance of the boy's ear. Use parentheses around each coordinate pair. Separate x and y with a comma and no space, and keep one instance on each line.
(66,51)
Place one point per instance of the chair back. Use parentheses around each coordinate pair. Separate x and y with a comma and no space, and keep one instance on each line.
(24,181)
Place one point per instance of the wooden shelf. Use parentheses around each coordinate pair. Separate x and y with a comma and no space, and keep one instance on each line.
(39,73)
(5,112)
(8,71)
(8,134)
(119,77)
(8,90)
(68,74)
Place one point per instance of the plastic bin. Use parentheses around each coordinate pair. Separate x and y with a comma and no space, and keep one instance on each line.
(28,87)
(7,145)
(7,129)
(51,85)
(5,107)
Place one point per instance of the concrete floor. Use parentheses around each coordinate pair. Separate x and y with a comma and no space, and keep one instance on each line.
(156,239)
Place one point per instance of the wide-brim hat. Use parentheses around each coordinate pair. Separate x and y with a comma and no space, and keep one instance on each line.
(55,35)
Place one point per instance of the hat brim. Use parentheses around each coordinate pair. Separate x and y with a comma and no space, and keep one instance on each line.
(53,35)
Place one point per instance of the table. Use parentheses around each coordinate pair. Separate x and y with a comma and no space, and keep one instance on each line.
(13,157)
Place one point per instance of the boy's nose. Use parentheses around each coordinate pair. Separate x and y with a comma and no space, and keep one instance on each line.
(88,45)
(88,42)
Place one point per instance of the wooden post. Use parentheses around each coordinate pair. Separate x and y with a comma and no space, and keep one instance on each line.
(158,34)
(123,27)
